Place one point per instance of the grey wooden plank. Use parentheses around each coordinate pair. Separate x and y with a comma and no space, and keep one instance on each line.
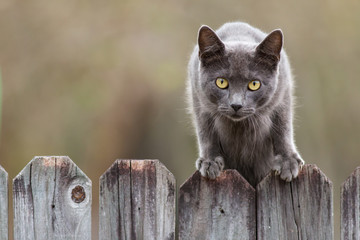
(222,209)
(137,201)
(52,200)
(3,204)
(115,202)
(350,207)
(301,209)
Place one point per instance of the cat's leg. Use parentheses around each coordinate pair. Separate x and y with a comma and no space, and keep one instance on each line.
(210,162)
(288,161)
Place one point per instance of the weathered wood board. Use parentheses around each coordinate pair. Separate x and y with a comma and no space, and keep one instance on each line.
(350,207)
(3,204)
(224,208)
(301,209)
(52,200)
(137,201)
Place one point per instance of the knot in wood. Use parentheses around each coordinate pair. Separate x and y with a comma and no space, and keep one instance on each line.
(78,194)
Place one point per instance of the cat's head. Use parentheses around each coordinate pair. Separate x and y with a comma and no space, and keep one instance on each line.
(238,78)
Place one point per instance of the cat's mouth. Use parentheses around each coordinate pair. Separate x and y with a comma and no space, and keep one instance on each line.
(239,117)
(240,114)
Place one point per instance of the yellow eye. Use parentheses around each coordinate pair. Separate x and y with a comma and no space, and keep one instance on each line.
(254,85)
(222,83)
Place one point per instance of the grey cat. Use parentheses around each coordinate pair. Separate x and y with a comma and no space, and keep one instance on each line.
(240,94)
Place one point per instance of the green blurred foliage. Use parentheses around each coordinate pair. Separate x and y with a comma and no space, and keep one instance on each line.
(104,80)
(0,98)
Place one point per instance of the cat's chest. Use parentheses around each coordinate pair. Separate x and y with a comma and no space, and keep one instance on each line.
(239,135)
(244,139)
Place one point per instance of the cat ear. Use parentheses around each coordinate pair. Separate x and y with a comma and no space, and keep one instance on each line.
(210,45)
(271,46)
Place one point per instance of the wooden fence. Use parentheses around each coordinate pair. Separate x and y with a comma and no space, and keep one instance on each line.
(52,200)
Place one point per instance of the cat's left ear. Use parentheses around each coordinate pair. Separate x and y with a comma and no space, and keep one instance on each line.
(270,47)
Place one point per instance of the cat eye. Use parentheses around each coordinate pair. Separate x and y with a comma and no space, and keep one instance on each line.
(222,83)
(254,85)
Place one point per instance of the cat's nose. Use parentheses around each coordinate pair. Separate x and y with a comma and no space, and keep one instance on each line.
(236,107)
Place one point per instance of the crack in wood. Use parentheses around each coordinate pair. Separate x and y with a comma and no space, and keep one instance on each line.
(293,204)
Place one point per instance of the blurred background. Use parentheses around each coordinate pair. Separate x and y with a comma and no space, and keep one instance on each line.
(99,80)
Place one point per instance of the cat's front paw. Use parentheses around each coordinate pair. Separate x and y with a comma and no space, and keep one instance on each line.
(210,168)
(288,166)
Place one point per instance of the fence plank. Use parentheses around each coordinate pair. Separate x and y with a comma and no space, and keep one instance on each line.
(350,207)
(137,201)
(301,209)
(223,208)
(3,204)
(52,200)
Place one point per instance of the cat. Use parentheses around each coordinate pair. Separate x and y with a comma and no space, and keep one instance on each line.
(240,92)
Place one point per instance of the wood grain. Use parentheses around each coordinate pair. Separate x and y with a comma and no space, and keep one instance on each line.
(3,204)
(52,200)
(137,201)
(350,207)
(222,209)
(301,209)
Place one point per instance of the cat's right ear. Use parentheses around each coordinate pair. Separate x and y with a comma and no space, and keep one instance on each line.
(210,45)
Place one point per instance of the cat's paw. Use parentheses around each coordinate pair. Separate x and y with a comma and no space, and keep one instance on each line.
(288,166)
(210,168)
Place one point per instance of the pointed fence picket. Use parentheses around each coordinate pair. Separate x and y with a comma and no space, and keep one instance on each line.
(224,208)
(350,207)
(52,200)
(137,201)
(301,209)
(3,204)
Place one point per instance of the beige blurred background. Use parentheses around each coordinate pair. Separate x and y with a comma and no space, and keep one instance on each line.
(101,80)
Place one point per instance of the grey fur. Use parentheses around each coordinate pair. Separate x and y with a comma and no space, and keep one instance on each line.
(258,137)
